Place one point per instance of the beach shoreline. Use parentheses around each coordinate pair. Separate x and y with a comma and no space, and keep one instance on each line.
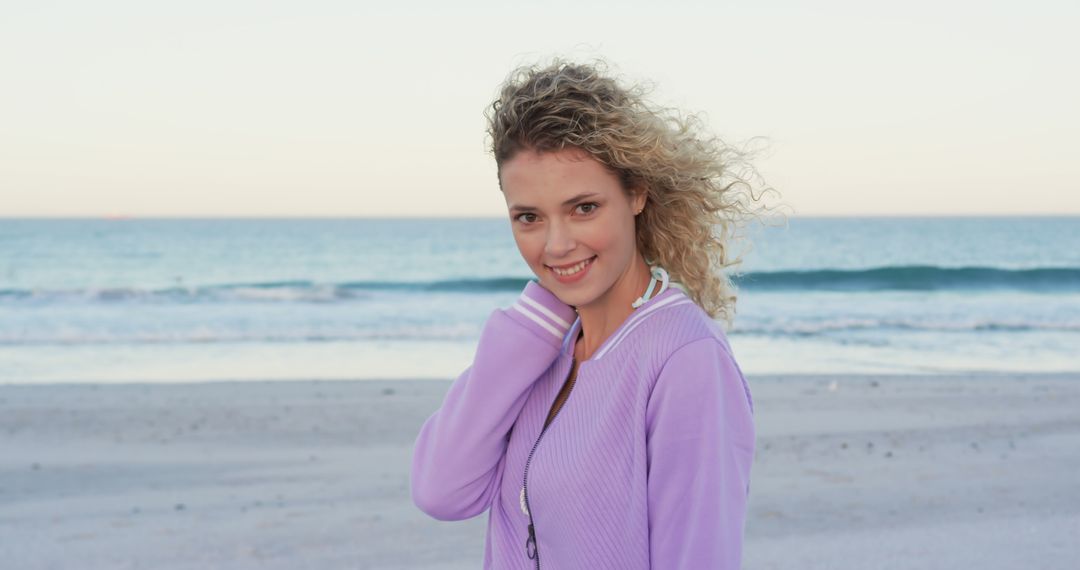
(850,471)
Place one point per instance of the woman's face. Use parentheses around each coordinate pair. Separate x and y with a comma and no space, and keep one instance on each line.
(565,208)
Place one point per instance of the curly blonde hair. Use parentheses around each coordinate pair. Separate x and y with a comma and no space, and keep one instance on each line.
(696,194)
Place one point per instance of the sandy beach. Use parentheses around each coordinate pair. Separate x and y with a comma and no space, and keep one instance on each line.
(863,472)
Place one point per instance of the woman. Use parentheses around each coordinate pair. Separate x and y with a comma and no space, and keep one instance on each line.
(604,421)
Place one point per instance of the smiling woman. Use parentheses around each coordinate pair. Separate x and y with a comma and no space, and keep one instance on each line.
(646,419)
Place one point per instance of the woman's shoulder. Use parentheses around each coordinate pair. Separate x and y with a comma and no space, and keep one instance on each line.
(689,323)
(672,323)
(693,348)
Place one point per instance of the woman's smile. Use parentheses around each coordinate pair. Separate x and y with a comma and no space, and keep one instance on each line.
(572,273)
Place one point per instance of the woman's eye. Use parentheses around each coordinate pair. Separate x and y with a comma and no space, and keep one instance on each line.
(592,206)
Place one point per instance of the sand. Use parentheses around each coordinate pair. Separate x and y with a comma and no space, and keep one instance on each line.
(853,472)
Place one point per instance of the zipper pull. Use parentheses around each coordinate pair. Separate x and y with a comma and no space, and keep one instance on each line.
(532,539)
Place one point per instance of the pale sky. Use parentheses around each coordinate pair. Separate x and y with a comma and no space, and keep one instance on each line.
(224,108)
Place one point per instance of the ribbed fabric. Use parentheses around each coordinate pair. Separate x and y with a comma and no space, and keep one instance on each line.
(645,466)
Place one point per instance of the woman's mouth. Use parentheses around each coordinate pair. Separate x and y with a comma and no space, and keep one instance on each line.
(574,272)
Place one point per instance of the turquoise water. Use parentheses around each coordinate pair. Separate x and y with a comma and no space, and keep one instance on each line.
(209,299)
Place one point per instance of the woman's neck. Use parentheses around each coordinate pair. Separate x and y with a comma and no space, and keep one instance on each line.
(601,318)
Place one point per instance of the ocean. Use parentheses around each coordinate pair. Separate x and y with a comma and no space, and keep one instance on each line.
(190,300)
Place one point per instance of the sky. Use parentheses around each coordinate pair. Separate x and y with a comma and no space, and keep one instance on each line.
(264,108)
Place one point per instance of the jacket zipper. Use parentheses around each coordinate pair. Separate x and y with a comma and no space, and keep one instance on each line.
(532,552)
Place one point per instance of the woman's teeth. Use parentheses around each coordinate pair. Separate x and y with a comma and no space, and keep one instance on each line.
(573,269)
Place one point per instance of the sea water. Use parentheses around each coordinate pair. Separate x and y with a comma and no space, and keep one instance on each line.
(118,300)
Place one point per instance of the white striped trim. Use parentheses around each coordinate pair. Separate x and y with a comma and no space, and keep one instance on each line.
(547,326)
(566,336)
(669,302)
(546,311)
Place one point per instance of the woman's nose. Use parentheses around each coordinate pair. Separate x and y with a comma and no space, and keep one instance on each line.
(559,241)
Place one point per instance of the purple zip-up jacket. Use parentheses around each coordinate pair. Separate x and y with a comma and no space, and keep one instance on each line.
(645,466)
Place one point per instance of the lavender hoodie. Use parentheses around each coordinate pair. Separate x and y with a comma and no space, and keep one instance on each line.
(646,465)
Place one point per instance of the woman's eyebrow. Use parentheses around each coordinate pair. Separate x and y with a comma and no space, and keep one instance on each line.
(517,208)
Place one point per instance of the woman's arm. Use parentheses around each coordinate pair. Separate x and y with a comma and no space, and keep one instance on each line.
(457,458)
(700,440)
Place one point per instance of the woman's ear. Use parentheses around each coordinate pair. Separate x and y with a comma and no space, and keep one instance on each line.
(640,198)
